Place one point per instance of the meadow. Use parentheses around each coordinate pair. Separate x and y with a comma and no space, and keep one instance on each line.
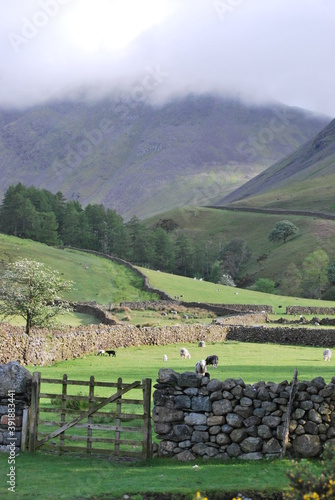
(69,477)
(47,476)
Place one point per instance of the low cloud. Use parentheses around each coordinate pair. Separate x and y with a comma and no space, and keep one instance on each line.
(259,50)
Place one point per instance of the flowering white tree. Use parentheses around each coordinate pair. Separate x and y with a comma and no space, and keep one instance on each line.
(31,290)
(227,280)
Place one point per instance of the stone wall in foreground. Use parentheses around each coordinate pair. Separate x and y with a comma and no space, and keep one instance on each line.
(15,393)
(198,417)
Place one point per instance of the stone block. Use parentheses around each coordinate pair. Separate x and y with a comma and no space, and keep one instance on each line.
(185,456)
(238,435)
(234,420)
(216,420)
(190,379)
(16,378)
(251,444)
(214,385)
(222,407)
(200,437)
(162,414)
(222,439)
(195,419)
(182,402)
(201,404)
(167,376)
(307,446)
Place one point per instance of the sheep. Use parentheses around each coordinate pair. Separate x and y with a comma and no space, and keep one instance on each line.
(327,354)
(101,352)
(200,367)
(184,353)
(164,357)
(202,343)
(111,352)
(212,360)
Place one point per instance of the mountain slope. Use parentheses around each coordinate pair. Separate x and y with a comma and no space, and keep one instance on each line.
(143,160)
(303,180)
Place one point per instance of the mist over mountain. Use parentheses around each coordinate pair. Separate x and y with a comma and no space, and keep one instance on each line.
(143,159)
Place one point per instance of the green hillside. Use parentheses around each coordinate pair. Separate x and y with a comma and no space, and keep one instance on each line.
(215,228)
(96,279)
(143,160)
(201,291)
(304,180)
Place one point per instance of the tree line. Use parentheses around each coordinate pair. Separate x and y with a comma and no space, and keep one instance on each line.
(39,215)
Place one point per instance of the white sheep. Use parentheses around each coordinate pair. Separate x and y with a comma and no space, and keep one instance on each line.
(184,353)
(327,354)
(164,357)
(101,352)
(200,367)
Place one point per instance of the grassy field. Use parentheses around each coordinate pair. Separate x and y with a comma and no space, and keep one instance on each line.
(45,476)
(201,291)
(96,279)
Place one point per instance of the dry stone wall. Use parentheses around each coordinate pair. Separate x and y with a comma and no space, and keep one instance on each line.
(310,310)
(44,347)
(198,417)
(219,309)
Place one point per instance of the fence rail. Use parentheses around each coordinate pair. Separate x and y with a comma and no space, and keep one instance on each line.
(91,423)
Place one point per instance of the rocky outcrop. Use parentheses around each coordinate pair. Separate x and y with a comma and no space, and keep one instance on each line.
(198,417)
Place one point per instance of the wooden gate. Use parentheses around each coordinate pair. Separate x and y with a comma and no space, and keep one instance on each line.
(96,423)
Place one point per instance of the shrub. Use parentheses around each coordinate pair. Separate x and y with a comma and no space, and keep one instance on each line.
(306,482)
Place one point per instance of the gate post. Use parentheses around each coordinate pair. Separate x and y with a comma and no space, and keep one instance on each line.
(147,439)
(34,410)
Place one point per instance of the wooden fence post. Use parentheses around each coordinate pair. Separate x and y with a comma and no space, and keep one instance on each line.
(90,418)
(147,444)
(286,430)
(34,410)
(25,427)
(118,419)
(63,411)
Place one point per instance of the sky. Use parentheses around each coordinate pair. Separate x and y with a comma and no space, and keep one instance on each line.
(154,50)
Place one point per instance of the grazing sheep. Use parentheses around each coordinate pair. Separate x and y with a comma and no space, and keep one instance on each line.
(101,352)
(111,352)
(164,357)
(184,353)
(202,343)
(327,354)
(212,360)
(200,367)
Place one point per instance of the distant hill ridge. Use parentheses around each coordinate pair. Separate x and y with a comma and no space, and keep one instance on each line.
(142,159)
(303,179)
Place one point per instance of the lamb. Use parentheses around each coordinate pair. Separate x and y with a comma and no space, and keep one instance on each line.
(101,352)
(202,343)
(111,352)
(200,367)
(164,357)
(327,354)
(184,353)
(212,360)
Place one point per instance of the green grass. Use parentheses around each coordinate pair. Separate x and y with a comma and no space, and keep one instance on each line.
(48,476)
(202,291)
(96,278)
(69,319)
(249,361)
(41,476)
